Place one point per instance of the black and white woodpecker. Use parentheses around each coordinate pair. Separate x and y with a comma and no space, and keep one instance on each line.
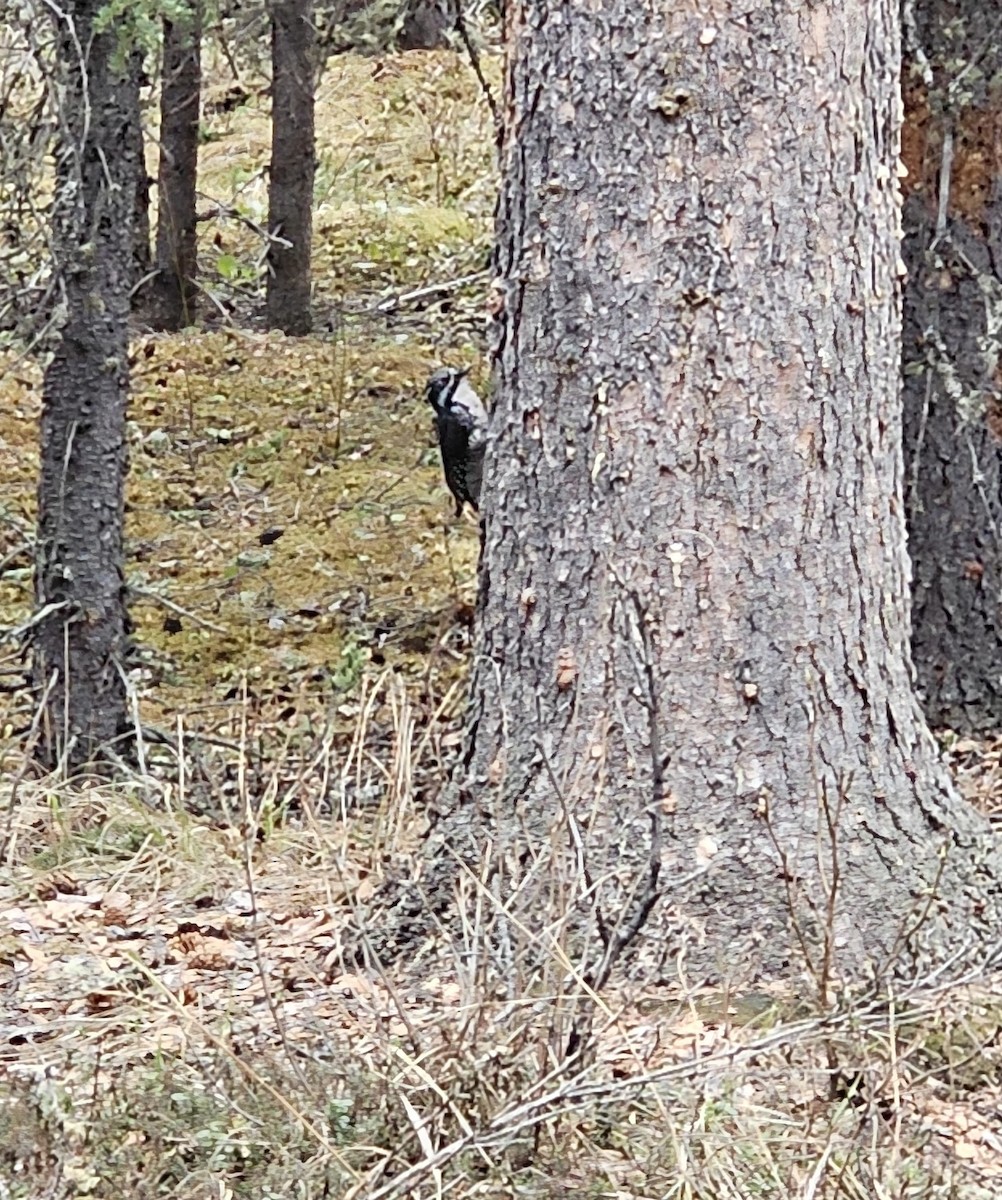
(461,421)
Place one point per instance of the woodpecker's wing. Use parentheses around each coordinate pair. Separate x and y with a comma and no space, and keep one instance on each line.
(468,411)
(462,422)
(466,407)
(475,473)
(459,458)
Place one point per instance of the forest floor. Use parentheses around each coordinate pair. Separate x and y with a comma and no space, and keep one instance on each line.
(178,1017)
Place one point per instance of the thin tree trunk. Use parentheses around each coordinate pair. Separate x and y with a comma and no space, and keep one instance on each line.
(293,161)
(425,25)
(952,392)
(691,701)
(81,623)
(175,288)
(142,257)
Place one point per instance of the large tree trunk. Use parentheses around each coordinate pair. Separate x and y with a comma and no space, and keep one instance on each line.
(952,336)
(81,622)
(174,287)
(293,162)
(692,681)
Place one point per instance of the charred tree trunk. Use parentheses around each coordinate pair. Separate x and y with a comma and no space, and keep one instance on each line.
(952,339)
(142,258)
(425,25)
(80,624)
(174,287)
(293,162)
(691,700)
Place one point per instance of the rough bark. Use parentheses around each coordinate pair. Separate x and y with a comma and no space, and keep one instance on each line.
(952,335)
(293,162)
(81,625)
(692,685)
(142,257)
(174,287)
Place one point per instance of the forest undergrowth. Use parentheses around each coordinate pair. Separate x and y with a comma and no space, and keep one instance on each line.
(180,1010)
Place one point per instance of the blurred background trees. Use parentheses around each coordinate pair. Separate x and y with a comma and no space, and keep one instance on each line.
(61,266)
(950,356)
(175,280)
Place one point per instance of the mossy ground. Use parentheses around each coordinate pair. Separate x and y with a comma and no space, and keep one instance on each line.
(286,511)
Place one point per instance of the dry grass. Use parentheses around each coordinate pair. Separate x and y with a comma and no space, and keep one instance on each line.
(180,1014)
(180,1018)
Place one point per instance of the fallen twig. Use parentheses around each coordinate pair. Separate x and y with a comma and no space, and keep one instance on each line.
(431,289)
(182,612)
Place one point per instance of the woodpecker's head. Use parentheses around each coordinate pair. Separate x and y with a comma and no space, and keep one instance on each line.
(442,386)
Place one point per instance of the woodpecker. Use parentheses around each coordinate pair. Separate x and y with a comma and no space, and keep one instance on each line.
(461,421)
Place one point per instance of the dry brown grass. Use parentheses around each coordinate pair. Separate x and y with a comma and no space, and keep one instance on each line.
(179,1019)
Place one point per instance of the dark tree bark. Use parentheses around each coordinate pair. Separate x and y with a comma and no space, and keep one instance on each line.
(142,258)
(174,287)
(81,624)
(425,26)
(418,25)
(293,162)
(952,338)
(692,684)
